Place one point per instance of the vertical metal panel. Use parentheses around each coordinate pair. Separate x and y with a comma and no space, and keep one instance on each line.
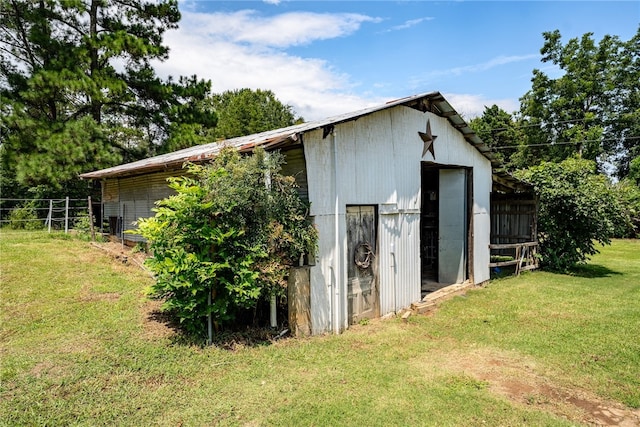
(136,197)
(399,259)
(452,246)
(323,276)
(481,220)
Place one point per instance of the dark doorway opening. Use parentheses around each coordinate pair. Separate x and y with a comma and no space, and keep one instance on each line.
(429,227)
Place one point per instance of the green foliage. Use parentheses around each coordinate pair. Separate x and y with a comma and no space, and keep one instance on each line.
(245,112)
(501,131)
(628,193)
(232,231)
(25,217)
(66,109)
(593,109)
(578,208)
(82,225)
(634,170)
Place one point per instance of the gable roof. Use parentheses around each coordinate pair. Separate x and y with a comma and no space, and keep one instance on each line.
(433,102)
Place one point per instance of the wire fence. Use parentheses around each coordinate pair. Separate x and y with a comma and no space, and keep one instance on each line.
(51,214)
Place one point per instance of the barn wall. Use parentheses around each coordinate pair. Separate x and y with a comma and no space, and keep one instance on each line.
(376,160)
(131,198)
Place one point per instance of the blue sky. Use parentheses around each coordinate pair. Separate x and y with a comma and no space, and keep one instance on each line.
(329,57)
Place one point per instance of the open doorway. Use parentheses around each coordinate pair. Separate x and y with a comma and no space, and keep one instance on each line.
(445,226)
(429,228)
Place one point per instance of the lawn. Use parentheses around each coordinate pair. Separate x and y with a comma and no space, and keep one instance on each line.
(81,345)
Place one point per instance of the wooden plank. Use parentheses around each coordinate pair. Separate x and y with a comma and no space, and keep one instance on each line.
(503,263)
(512,245)
(299,301)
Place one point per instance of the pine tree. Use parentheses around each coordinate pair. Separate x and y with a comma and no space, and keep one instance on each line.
(77,87)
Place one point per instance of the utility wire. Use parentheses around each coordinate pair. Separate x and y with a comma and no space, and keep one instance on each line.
(631,138)
(517,126)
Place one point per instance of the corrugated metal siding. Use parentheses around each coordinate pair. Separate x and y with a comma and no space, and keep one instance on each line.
(399,266)
(323,276)
(481,222)
(376,160)
(132,198)
(452,244)
(110,191)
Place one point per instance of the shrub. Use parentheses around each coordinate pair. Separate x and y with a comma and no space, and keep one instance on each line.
(82,225)
(628,193)
(25,217)
(231,232)
(578,209)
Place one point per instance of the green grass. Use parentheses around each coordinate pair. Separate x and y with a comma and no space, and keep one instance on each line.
(77,348)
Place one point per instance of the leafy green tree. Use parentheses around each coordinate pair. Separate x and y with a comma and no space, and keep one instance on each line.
(578,209)
(634,170)
(592,109)
(502,133)
(245,112)
(230,233)
(77,88)
(628,193)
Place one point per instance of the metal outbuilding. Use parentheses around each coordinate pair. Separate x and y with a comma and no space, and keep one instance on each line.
(400,194)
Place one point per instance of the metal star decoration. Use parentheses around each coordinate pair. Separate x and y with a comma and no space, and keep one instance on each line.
(428,140)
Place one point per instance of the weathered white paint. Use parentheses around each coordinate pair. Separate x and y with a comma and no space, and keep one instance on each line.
(375,160)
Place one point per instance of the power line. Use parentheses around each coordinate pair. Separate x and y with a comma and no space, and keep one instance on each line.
(518,126)
(631,138)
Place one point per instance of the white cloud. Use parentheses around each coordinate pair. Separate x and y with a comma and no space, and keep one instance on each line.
(472,105)
(410,23)
(484,66)
(242,49)
(225,49)
(283,30)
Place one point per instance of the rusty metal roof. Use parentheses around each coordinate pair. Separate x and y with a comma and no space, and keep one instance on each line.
(433,102)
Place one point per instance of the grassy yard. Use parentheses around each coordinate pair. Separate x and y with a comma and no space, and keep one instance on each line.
(79,345)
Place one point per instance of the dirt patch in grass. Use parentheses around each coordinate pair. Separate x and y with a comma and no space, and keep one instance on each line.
(123,253)
(106,296)
(519,381)
(156,323)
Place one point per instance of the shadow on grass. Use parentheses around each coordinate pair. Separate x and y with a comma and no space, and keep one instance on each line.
(592,271)
(231,340)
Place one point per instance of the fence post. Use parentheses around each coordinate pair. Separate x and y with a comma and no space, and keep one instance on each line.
(93,231)
(50,216)
(66,215)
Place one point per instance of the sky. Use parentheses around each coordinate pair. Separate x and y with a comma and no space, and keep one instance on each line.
(326,58)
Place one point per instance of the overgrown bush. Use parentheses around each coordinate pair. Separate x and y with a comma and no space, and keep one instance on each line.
(231,232)
(25,217)
(628,193)
(578,209)
(82,225)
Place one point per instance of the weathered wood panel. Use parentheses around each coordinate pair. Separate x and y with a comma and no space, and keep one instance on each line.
(299,301)
(362,264)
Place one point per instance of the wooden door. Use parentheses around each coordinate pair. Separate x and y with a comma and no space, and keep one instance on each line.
(362,264)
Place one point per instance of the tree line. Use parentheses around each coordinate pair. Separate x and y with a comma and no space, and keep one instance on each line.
(78,92)
(592,110)
(576,138)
